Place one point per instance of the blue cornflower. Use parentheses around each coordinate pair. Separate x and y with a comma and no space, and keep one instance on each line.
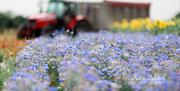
(178,51)
(90,77)
(99,72)
(163,56)
(52,89)
(46,67)
(165,85)
(103,84)
(93,60)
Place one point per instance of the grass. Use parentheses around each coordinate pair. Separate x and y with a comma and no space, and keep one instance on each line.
(9,46)
(7,67)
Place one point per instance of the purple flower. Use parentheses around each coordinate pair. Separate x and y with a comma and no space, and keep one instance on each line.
(178,51)
(104,84)
(90,77)
(162,57)
(52,89)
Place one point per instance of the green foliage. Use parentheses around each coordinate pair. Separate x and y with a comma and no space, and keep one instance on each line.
(8,21)
(1,57)
(125,58)
(174,29)
(178,15)
(126,87)
(7,67)
(5,20)
(54,75)
(17,20)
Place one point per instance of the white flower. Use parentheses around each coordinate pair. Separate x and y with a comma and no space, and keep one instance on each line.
(3,65)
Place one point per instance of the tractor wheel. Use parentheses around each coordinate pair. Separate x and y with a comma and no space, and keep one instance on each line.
(24,31)
(21,31)
(47,31)
(83,26)
(36,33)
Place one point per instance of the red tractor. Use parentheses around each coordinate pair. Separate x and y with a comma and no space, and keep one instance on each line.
(60,15)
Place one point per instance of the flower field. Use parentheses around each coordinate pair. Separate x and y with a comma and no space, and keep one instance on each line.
(101,61)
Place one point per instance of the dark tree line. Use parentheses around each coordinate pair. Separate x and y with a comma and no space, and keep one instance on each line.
(8,21)
(178,15)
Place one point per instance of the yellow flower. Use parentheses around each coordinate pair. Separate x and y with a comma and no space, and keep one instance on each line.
(135,24)
(155,23)
(142,23)
(171,23)
(149,24)
(162,24)
(116,25)
(124,24)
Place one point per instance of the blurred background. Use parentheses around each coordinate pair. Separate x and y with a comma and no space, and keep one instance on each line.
(109,10)
(158,9)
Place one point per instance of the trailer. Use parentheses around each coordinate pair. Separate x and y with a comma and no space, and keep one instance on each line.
(102,13)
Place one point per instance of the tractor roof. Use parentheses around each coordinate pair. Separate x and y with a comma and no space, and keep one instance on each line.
(81,1)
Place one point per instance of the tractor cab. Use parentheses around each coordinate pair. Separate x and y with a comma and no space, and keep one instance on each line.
(61,7)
